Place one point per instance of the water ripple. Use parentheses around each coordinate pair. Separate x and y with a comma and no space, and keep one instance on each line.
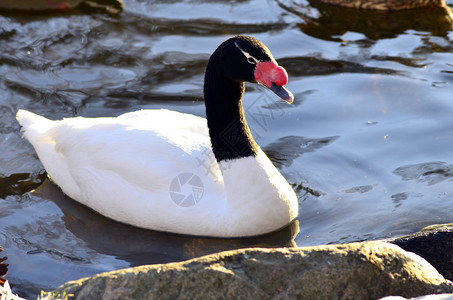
(311,66)
(359,189)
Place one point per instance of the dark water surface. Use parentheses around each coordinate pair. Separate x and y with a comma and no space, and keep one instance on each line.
(367,143)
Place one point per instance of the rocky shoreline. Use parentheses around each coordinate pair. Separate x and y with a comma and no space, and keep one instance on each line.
(366,270)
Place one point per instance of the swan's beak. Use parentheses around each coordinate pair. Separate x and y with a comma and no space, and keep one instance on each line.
(282,92)
(273,77)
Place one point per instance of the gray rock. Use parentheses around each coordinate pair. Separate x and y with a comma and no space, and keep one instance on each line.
(426,297)
(369,270)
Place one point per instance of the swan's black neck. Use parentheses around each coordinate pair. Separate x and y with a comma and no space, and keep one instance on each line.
(230,135)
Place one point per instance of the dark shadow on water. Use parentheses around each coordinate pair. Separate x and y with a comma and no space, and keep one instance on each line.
(138,246)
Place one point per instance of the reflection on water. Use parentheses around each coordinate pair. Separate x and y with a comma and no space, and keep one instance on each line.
(19,183)
(431,172)
(366,144)
(330,21)
(288,148)
(359,189)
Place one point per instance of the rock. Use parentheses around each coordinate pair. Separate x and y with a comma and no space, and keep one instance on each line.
(3,268)
(369,270)
(433,243)
(112,6)
(7,294)
(323,20)
(39,4)
(5,289)
(386,4)
(426,297)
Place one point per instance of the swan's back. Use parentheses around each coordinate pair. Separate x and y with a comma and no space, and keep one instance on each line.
(140,152)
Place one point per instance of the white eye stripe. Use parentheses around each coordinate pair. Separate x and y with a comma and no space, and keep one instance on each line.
(249,57)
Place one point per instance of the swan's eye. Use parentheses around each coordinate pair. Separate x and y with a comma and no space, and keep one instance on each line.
(251,60)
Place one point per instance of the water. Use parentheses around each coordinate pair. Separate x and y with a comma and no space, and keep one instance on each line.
(366,144)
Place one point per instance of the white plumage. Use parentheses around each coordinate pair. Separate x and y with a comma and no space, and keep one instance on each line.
(123,168)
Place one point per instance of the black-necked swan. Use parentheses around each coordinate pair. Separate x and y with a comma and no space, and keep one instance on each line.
(140,167)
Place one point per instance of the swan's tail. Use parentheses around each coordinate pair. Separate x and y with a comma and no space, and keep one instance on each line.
(39,132)
(33,125)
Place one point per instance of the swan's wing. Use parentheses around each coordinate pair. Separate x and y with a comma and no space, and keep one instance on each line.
(143,150)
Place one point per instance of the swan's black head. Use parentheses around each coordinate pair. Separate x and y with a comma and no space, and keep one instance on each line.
(244,58)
